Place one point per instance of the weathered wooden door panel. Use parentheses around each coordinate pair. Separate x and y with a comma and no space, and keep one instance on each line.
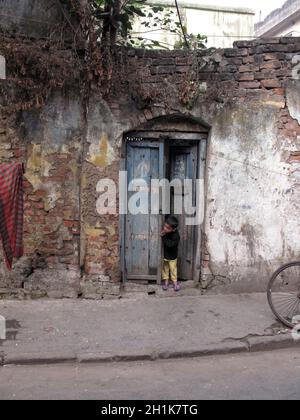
(184,166)
(149,160)
(142,241)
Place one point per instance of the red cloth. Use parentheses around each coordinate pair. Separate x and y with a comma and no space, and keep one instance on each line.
(11,210)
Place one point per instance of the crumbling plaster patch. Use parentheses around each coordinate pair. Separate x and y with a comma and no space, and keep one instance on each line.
(293,99)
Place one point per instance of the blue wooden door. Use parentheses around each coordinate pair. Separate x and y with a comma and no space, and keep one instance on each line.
(142,231)
(184,166)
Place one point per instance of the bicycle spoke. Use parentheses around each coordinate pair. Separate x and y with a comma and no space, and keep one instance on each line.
(290,314)
(286,306)
(283,301)
(284,294)
(295,309)
(288,309)
(285,298)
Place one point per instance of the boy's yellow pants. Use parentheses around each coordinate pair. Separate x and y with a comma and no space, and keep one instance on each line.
(169,269)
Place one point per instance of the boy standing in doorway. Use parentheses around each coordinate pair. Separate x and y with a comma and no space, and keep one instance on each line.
(170,239)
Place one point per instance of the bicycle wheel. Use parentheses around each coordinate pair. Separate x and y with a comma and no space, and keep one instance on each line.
(284,293)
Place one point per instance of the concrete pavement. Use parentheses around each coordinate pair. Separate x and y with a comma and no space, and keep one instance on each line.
(138,328)
(257,376)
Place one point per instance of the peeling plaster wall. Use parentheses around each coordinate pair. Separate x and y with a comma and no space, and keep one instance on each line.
(99,234)
(253,198)
(51,147)
(251,223)
(292,96)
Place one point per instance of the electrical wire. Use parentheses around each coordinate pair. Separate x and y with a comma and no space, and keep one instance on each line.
(181,25)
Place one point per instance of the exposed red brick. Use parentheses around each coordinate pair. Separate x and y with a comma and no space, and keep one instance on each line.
(264,74)
(248,68)
(294,157)
(246,77)
(271,65)
(248,60)
(274,56)
(235,52)
(249,85)
(270,83)
(279,91)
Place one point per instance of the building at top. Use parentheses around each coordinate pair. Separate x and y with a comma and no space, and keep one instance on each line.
(284,21)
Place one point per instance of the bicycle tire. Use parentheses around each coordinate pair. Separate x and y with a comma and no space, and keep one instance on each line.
(279,316)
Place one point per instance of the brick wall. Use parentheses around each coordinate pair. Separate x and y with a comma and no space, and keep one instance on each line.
(72,251)
(261,66)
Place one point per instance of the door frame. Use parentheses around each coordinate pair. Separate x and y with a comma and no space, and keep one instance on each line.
(161,136)
(155,144)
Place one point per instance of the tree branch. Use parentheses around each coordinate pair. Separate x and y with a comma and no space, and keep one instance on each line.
(181,25)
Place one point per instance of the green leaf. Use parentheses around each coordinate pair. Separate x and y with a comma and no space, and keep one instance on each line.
(157,9)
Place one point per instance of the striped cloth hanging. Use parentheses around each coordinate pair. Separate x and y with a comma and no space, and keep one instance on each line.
(11,210)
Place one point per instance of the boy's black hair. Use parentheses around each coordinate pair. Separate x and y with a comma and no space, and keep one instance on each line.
(172,221)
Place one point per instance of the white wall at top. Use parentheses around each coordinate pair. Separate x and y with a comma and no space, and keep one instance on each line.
(222,26)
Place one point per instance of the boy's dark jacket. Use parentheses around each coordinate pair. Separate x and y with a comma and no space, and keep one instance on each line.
(170,243)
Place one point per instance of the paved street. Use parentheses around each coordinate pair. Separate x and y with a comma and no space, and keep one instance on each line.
(138,328)
(266,375)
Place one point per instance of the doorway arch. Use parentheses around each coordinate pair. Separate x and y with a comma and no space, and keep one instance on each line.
(169,147)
